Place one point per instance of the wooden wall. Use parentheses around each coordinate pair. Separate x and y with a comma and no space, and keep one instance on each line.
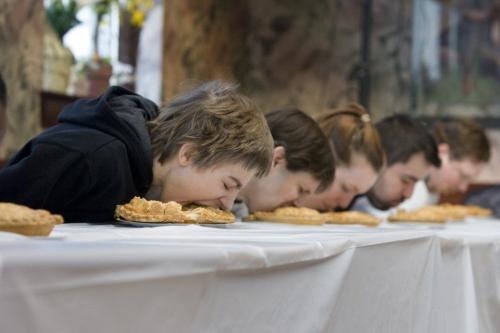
(21,42)
(302,53)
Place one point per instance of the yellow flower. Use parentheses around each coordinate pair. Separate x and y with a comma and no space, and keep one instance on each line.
(137,18)
(138,10)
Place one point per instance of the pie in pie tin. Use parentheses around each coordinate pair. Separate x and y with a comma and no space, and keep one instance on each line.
(350,217)
(26,221)
(439,213)
(290,215)
(151,211)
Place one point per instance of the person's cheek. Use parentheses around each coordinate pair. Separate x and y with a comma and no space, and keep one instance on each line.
(345,200)
(399,188)
(292,193)
(452,182)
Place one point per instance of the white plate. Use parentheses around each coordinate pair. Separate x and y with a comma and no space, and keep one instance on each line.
(163,224)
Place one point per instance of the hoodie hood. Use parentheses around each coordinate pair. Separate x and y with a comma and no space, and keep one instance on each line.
(122,114)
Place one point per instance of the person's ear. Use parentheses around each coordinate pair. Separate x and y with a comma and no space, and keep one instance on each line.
(279,155)
(185,154)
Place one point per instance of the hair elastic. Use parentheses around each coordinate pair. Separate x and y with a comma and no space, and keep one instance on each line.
(365,118)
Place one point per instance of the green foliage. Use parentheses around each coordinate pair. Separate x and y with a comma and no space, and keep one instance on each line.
(449,90)
(62,16)
(103,7)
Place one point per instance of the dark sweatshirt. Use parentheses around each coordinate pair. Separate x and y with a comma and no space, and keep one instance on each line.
(97,156)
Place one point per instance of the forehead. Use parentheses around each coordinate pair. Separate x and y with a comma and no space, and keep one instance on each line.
(355,174)
(233,169)
(301,177)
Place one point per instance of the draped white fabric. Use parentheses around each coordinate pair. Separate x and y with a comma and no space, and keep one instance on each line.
(253,277)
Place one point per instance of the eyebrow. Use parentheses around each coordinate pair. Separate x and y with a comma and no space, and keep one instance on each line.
(237,182)
(306,190)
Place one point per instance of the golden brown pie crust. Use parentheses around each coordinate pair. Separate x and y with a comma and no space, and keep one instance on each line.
(290,215)
(462,211)
(26,221)
(142,210)
(350,217)
(212,215)
(439,213)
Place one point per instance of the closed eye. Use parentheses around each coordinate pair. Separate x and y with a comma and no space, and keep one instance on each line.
(407,179)
(237,182)
(303,191)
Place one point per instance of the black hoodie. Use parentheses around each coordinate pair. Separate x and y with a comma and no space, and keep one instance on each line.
(97,156)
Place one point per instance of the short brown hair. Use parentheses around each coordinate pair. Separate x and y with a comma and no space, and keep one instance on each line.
(350,130)
(403,136)
(306,147)
(223,125)
(465,137)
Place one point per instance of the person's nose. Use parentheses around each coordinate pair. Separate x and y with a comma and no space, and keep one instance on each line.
(227,201)
(408,190)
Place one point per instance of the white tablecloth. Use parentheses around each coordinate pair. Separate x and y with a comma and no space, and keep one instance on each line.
(253,277)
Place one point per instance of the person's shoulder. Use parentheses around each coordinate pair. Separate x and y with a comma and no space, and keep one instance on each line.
(360,204)
(363,204)
(76,138)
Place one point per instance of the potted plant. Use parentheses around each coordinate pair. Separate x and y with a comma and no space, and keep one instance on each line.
(92,76)
(100,70)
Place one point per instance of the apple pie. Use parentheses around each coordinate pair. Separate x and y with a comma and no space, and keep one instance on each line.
(26,221)
(142,210)
(459,212)
(291,215)
(350,217)
(439,213)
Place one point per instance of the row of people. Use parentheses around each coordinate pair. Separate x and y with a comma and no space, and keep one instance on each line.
(212,146)
(422,165)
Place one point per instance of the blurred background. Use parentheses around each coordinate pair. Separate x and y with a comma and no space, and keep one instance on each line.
(431,58)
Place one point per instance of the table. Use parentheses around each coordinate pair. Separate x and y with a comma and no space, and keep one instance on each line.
(253,277)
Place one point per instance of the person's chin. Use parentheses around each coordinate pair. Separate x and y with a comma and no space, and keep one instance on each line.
(267,207)
(448,191)
(329,208)
(255,207)
(325,207)
(318,206)
(383,205)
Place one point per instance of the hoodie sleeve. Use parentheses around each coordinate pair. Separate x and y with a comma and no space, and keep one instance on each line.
(34,173)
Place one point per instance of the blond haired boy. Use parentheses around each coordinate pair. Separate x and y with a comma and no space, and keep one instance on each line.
(202,148)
